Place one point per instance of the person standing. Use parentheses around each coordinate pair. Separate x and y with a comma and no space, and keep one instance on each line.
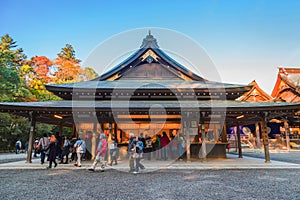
(58,146)
(174,147)
(148,147)
(72,150)
(143,139)
(113,148)
(52,151)
(131,146)
(181,147)
(18,146)
(65,151)
(101,153)
(36,147)
(139,147)
(158,147)
(43,145)
(164,143)
(80,149)
(26,147)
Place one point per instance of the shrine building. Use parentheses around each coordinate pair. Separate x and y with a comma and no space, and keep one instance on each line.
(149,93)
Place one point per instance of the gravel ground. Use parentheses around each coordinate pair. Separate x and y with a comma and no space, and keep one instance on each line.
(167,184)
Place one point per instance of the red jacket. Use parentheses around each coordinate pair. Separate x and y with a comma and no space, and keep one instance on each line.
(164,140)
(102,147)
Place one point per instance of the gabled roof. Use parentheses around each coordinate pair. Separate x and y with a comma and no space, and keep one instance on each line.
(149,52)
(287,85)
(256,94)
(150,68)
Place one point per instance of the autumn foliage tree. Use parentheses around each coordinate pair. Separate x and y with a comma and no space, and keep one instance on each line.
(24,80)
(41,66)
(37,73)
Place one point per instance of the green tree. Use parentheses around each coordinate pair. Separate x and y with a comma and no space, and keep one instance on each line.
(68,53)
(11,86)
(89,74)
(8,45)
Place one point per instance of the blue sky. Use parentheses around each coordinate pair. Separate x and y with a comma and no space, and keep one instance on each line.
(247,40)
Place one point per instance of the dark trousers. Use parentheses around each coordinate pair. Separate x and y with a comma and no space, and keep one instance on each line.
(67,158)
(113,156)
(148,152)
(43,155)
(50,163)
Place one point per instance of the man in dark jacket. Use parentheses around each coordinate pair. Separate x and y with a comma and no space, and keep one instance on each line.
(131,146)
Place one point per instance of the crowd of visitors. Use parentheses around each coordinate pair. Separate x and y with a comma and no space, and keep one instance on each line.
(57,148)
(65,150)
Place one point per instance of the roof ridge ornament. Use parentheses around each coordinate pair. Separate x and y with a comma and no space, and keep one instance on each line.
(149,41)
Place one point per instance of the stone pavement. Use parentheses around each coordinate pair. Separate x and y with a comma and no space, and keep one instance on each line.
(231,162)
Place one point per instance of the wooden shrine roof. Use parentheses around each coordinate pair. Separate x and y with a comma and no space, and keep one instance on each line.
(149,68)
(256,94)
(287,86)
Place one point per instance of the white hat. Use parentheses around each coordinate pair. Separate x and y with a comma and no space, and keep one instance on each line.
(131,135)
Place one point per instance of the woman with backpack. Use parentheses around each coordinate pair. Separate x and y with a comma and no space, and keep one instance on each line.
(80,149)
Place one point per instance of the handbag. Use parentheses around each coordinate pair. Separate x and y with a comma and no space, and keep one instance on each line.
(136,155)
(46,150)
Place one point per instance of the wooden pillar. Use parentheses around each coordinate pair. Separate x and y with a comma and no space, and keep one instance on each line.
(110,132)
(121,135)
(31,136)
(60,129)
(188,140)
(77,130)
(265,139)
(287,134)
(203,138)
(239,141)
(73,130)
(115,132)
(94,135)
(257,132)
(203,146)
(224,134)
